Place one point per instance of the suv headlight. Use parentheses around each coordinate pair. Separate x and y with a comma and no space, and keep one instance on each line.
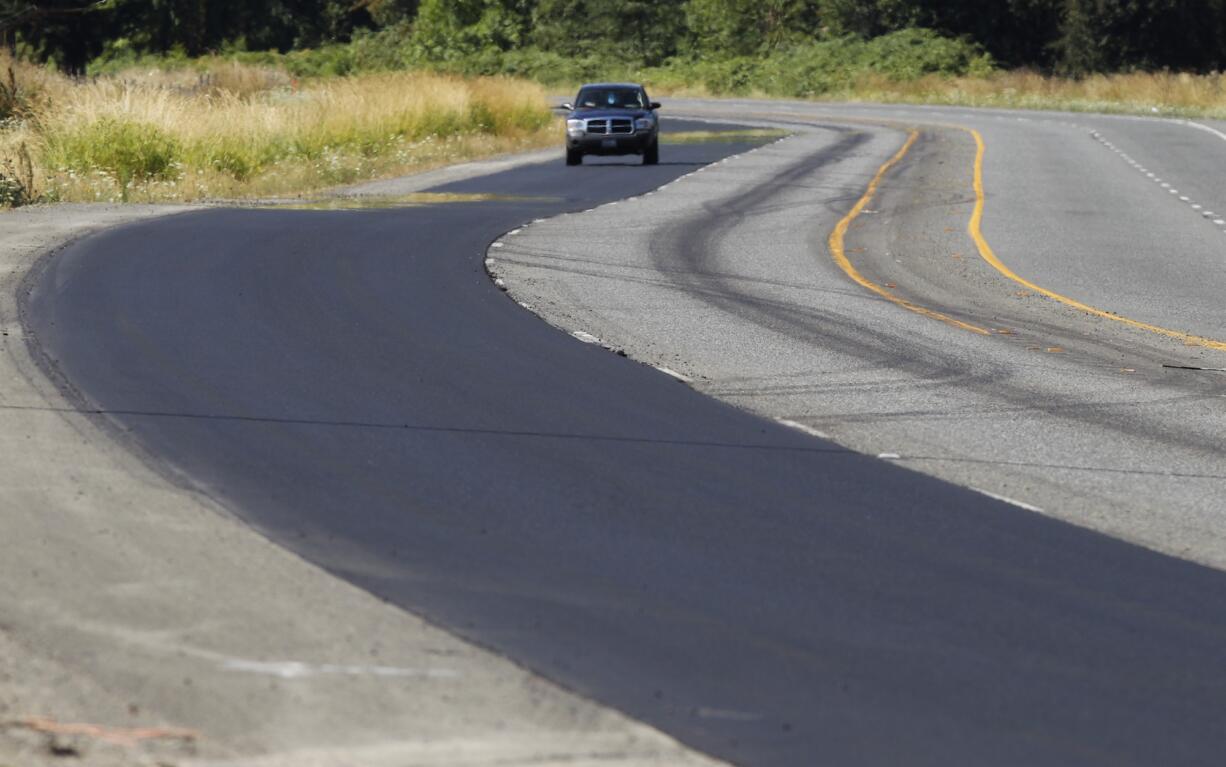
(644,123)
(574,127)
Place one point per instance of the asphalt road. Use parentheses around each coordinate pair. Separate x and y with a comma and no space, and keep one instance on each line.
(352,384)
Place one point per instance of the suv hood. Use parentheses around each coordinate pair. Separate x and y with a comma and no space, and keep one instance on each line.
(588,114)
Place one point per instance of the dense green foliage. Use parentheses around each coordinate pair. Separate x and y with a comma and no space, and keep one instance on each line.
(729,40)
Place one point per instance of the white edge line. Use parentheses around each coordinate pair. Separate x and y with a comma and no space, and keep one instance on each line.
(1205,128)
(802,428)
(1008,500)
(297,670)
(673,373)
(586,337)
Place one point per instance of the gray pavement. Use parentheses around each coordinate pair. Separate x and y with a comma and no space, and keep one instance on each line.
(726,277)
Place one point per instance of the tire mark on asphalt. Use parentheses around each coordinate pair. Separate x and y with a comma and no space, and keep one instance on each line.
(685,252)
(839,253)
(684,258)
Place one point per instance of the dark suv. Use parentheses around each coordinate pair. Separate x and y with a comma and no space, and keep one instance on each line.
(612,119)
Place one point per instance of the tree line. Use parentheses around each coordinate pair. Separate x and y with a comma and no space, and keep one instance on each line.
(1064,36)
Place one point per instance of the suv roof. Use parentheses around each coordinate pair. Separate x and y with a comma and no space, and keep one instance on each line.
(610,85)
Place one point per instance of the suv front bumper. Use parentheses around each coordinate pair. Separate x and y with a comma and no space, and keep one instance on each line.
(635,143)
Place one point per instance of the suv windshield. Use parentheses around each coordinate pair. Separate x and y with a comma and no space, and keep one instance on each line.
(611,98)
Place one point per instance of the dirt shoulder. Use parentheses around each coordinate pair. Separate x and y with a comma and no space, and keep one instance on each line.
(141,624)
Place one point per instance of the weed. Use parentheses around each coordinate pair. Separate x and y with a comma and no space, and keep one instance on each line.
(126,150)
(18,96)
(10,96)
(17,179)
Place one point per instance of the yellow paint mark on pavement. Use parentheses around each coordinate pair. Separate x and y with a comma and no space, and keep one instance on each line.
(839,235)
(975,228)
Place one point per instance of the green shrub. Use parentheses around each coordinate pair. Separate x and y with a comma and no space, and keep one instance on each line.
(236,161)
(438,122)
(828,66)
(127,151)
(120,54)
(912,53)
(525,117)
(481,118)
(12,193)
(17,179)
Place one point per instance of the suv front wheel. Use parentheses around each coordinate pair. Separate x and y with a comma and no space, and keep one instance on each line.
(574,157)
(652,155)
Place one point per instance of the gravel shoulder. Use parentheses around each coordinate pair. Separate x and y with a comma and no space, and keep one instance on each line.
(141,624)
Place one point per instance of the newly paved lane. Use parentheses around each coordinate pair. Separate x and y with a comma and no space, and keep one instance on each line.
(352,384)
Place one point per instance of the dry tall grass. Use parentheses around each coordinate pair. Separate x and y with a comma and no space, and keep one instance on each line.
(1169,93)
(210,75)
(1166,93)
(245,131)
(221,129)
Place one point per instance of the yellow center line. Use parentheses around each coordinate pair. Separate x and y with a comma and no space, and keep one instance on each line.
(985,251)
(838,251)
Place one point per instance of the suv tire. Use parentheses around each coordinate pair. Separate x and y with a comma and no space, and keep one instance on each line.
(652,155)
(574,157)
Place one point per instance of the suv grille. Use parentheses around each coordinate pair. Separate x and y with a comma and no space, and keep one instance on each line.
(612,125)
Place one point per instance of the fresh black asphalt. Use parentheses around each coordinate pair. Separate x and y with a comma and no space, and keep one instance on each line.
(353,385)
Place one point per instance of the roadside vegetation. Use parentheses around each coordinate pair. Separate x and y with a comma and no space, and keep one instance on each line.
(183,100)
(227,129)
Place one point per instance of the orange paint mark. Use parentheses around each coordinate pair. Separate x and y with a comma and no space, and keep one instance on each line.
(119,736)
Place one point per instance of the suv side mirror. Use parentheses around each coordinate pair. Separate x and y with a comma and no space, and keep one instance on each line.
(655,105)
(567,106)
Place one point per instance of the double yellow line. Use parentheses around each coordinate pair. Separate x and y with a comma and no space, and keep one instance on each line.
(975,229)
(839,235)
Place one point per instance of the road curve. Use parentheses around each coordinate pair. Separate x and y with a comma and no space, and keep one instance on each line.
(353,385)
(1016,306)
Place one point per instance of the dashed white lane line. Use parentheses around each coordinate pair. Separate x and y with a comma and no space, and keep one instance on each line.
(1157,180)
(802,428)
(1008,500)
(889,456)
